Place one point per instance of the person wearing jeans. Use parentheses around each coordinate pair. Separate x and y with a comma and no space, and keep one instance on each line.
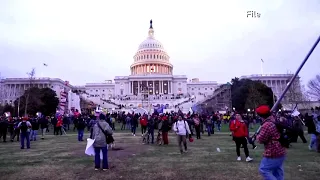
(181,128)
(34,130)
(97,158)
(81,126)
(25,127)
(99,132)
(271,166)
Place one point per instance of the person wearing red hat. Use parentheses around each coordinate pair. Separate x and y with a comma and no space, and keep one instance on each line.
(25,127)
(271,166)
(240,132)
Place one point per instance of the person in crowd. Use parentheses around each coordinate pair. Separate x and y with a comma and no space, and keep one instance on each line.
(44,123)
(25,127)
(4,129)
(219,122)
(316,120)
(151,125)
(66,122)
(298,130)
(239,131)
(11,127)
(59,125)
(196,121)
(92,122)
(54,122)
(143,123)
(100,130)
(165,129)
(311,130)
(181,128)
(81,126)
(271,166)
(34,129)
(113,122)
(16,131)
(134,122)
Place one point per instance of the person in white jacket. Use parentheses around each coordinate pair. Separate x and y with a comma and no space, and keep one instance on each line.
(181,128)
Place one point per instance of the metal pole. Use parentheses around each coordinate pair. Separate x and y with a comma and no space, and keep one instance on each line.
(290,82)
(295,75)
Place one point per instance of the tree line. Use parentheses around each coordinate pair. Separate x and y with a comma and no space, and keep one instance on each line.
(33,100)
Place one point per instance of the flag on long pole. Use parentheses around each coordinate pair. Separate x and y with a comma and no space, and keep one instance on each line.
(262,62)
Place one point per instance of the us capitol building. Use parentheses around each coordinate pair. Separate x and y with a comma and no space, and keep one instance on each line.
(150,85)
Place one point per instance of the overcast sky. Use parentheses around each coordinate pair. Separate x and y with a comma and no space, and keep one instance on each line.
(91,41)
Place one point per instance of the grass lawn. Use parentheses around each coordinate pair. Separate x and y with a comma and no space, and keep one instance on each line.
(62,157)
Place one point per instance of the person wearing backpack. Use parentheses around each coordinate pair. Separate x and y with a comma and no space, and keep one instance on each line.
(25,127)
(181,128)
(271,166)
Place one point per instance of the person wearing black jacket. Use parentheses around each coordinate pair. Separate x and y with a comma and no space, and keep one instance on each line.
(43,122)
(54,123)
(11,127)
(134,122)
(165,129)
(150,125)
(4,129)
(311,130)
(80,127)
(16,131)
(298,128)
(35,128)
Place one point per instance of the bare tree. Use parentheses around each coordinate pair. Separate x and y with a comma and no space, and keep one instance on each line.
(314,87)
(31,75)
(294,95)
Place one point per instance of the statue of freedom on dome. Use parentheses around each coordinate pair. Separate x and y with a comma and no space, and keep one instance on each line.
(151,24)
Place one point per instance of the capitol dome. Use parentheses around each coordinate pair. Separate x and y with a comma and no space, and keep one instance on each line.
(151,58)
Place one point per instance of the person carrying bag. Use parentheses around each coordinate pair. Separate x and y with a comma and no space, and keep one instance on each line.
(101,133)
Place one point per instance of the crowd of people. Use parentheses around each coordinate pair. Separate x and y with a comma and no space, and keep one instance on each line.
(185,126)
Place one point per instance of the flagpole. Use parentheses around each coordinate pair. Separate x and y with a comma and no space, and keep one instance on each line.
(44,65)
(261,66)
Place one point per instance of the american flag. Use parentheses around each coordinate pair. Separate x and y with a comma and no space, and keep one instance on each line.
(45,64)
(262,60)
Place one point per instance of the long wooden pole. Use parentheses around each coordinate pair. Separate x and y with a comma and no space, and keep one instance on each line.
(290,82)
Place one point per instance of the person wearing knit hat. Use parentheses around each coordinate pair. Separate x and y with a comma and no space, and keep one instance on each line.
(271,166)
(263,111)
